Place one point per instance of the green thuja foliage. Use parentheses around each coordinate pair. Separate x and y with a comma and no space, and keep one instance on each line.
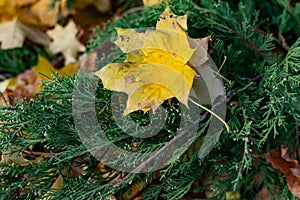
(15,61)
(259,46)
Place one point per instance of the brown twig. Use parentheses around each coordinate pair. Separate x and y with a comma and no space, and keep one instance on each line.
(250,43)
(38,153)
(168,144)
(132,10)
(281,41)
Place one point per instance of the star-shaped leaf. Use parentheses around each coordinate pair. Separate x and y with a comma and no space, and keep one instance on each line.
(65,41)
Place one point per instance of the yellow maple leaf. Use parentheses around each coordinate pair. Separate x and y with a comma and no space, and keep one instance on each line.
(153,2)
(156,67)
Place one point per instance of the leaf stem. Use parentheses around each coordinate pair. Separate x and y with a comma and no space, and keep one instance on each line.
(211,112)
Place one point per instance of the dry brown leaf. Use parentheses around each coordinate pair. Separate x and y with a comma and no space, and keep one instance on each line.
(88,61)
(132,193)
(3,98)
(8,156)
(12,8)
(28,83)
(289,167)
(24,85)
(102,6)
(267,192)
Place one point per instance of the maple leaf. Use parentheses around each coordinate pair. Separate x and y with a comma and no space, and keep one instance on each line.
(156,67)
(65,41)
(153,2)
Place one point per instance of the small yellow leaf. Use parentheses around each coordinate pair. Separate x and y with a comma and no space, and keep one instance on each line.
(153,2)
(69,69)
(44,69)
(65,41)
(58,184)
(231,195)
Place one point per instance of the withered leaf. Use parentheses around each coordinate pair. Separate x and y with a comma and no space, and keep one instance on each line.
(289,167)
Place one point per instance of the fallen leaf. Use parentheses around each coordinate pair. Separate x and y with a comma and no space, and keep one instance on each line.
(231,195)
(4,84)
(22,86)
(102,6)
(156,67)
(22,3)
(58,183)
(8,9)
(3,98)
(153,2)
(88,61)
(11,35)
(40,14)
(267,192)
(288,166)
(28,83)
(65,41)
(44,69)
(8,156)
